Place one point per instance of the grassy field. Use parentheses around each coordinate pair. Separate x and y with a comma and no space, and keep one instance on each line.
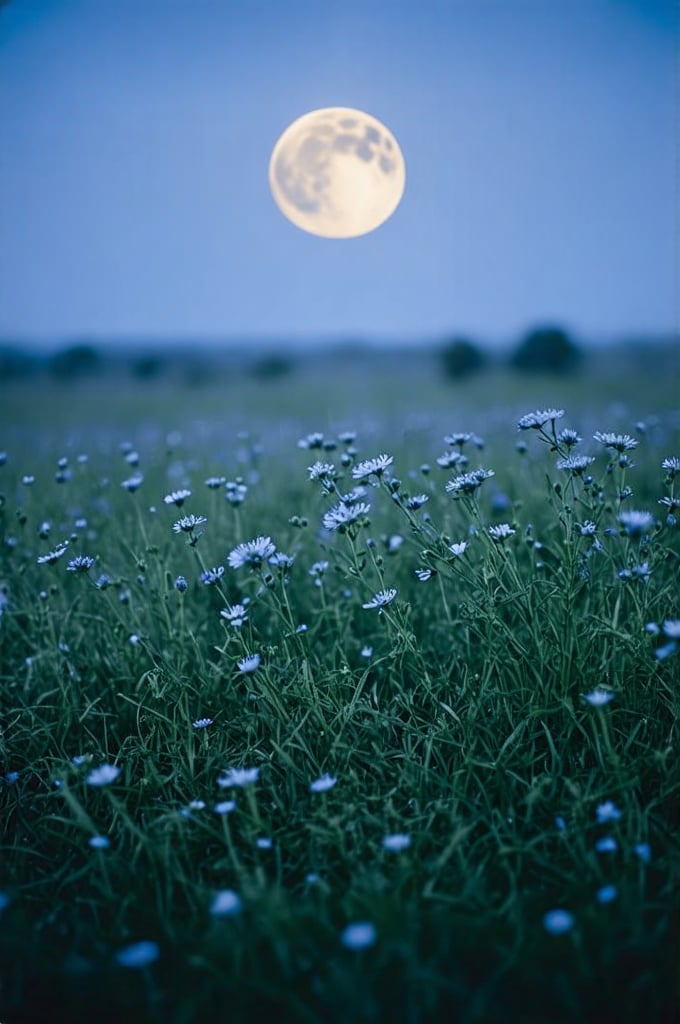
(390,739)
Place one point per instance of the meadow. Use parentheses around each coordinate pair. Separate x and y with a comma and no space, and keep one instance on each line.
(346,697)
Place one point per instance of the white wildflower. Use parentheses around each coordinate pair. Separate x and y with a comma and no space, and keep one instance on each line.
(539,418)
(238,777)
(252,553)
(323,784)
(381,599)
(368,467)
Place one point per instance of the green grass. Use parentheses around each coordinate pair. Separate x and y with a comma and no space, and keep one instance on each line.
(466,729)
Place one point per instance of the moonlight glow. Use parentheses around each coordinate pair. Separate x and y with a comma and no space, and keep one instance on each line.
(337,173)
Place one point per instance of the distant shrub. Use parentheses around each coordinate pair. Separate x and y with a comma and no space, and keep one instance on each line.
(461,358)
(272,366)
(148,367)
(15,363)
(546,350)
(75,361)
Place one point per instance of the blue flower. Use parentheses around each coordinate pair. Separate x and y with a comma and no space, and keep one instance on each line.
(225,902)
(607,811)
(644,852)
(558,921)
(99,842)
(323,784)
(225,807)
(238,777)
(103,775)
(599,697)
(140,954)
(214,575)
(359,935)
(396,842)
(250,663)
(606,894)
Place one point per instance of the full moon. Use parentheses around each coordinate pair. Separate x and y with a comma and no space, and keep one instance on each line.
(337,172)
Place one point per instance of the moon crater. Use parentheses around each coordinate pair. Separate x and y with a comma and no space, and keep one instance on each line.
(337,172)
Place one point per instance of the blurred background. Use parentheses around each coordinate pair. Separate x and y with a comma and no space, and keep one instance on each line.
(138,236)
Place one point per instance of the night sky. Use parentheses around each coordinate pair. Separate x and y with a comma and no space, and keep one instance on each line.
(135,138)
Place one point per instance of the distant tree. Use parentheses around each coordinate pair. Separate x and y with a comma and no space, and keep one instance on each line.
(75,361)
(461,358)
(272,365)
(546,350)
(148,366)
(16,363)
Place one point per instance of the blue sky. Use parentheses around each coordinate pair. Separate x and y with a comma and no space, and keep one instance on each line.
(136,134)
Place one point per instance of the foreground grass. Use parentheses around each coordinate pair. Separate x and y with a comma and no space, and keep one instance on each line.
(475,781)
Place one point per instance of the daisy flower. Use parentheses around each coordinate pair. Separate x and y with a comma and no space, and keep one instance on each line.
(187,524)
(322,471)
(569,438)
(538,419)
(81,563)
(103,775)
(202,723)
(467,483)
(417,501)
(314,440)
(252,553)
(599,697)
(51,557)
(235,615)
(281,560)
(369,467)
(235,492)
(501,532)
(671,466)
(238,777)
(459,548)
(177,497)
(459,438)
(250,663)
(424,574)
(617,442)
(381,599)
(635,521)
(214,575)
(353,496)
(342,515)
(133,483)
(575,463)
(452,460)
(323,784)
